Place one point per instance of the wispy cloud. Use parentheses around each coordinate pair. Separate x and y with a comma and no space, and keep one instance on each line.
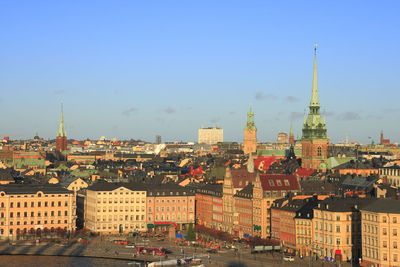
(59,92)
(327,113)
(263,96)
(349,116)
(129,111)
(215,120)
(295,115)
(169,110)
(291,99)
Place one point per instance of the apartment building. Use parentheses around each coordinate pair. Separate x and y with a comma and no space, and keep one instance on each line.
(32,210)
(210,136)
(112,208)
(337,229)
(381,233)
(391,175)
(170,205)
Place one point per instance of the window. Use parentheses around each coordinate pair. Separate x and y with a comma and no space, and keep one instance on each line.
(394,219)
(271,182)
(384,244)
(384,231)
(286,182)
(394,232)
(337,228)
(279,182)
(384,219)
(319,151)
(394,244)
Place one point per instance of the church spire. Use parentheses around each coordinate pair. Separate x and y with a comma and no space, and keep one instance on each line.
(250,124)
(314,93)
(61,130)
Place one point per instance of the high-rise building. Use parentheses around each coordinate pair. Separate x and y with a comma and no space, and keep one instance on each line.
(314,141)
(158,139)
(61,139)
(210,135)
(250,134)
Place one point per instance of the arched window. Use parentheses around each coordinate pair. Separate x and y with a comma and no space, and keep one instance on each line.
(319,151)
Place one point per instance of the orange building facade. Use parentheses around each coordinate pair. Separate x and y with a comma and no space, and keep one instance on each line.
(33,210)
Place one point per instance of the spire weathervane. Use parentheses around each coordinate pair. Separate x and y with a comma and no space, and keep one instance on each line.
(315,49)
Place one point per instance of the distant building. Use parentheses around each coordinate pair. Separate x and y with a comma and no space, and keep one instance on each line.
(384,141)
(158,139)
(314,141)
(282,138)
(391,175)
(211,135)
(61,139)
(250,134)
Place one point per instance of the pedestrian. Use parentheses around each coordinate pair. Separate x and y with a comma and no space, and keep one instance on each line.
(209,258)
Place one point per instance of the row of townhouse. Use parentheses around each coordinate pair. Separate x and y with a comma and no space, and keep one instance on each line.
(241,206)
(110,208)
(364,231)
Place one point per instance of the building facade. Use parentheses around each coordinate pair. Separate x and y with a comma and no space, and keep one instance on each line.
(314,141)
(170,205)
(34,210)
(209,211)
(250,134)
(381,233)
(210,136)
(337,229)
(112,208)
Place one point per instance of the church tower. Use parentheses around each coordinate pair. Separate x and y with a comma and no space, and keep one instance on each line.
(314,141)
(228,201)
(250,134)
(61,139)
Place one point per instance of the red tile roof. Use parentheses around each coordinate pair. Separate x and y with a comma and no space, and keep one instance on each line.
(279,182)
(304,173)
(264,163)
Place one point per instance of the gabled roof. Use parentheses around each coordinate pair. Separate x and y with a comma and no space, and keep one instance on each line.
(241,177)
(279,182)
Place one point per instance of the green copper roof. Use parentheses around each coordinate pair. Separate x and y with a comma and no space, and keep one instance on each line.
(314,126)
(250,120)
(61,130)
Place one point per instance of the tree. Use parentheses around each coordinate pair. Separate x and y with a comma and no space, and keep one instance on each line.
(190,235)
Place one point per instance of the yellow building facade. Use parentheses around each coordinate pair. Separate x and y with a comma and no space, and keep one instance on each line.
(115,208)
(381,233)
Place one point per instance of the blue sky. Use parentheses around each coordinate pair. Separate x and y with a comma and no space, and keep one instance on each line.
(135,69)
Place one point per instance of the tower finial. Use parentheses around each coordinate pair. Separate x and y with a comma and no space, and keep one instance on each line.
(61,130)
(315,49)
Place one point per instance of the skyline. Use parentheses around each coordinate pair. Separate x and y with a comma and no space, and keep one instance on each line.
(172,68)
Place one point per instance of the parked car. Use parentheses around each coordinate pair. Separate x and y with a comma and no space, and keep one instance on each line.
(130,245)
(288,258)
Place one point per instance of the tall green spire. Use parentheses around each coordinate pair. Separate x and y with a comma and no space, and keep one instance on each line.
(61,130)
(250,120)
(314,126)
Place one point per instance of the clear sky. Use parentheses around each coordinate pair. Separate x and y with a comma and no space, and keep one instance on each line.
(135,69)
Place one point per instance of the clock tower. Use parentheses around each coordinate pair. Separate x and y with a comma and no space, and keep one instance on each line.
(250,134)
